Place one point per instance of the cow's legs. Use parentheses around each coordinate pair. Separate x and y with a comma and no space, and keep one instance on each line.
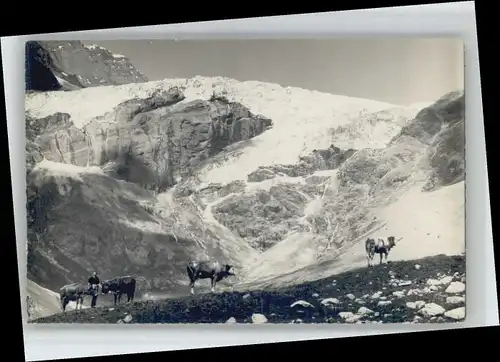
(381,256)
(64,303)
(191,285)
(77,301)
(115,297)
(119,297)
(213,282)
(370,258)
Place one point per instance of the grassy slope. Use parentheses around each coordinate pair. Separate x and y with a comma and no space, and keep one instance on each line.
(276,304)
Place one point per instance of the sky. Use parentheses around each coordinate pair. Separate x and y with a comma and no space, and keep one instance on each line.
(395,70)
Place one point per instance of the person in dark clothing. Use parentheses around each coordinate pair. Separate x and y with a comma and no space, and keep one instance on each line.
(93,288)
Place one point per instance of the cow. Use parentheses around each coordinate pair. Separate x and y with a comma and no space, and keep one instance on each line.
(212,270)
(119,286)
(73,292)
(380,246)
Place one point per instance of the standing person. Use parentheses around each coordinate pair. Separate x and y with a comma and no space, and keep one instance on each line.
(93,288)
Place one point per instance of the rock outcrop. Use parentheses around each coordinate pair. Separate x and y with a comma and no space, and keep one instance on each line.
(319,160)
(71,65)
(441,127)
(266,216)
(154,142)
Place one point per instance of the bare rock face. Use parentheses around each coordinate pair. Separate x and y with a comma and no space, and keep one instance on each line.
(446,111)
(154,142)
(265,217)
(71,65)
(441,128)
(328,159)
(262,218)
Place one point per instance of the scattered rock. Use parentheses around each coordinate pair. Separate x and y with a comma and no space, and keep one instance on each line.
(360,301)
(417,266)
(404,283)
(246,296)
(350,296)
(399,294)
(415,305)
(384,303)
(120,321)
(302,303)
(330,301)
(258,318)
(315,295)
(128,318)
(231,321)
(457,313)
(414,292)
(455,287)
(376,295)
(445,280)
(455,300)
(111,309)
(431,310)
(364,311)
(345,315)
(349,317)
(433,282)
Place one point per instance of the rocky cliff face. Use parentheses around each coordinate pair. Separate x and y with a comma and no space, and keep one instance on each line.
(154,142)
(164,177)
(71,65)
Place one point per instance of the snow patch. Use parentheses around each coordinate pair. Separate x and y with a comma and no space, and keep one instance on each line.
(92,46)
(429,223)
(65,169)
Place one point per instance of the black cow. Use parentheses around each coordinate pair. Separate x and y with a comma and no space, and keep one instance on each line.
(73,292)
(212,270)
(119,286)
(381,246)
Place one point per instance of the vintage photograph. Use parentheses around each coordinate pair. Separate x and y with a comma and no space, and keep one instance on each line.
(245,181)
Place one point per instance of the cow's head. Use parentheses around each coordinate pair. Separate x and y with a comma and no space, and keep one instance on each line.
(227,269)
(105,288)
(392,241)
